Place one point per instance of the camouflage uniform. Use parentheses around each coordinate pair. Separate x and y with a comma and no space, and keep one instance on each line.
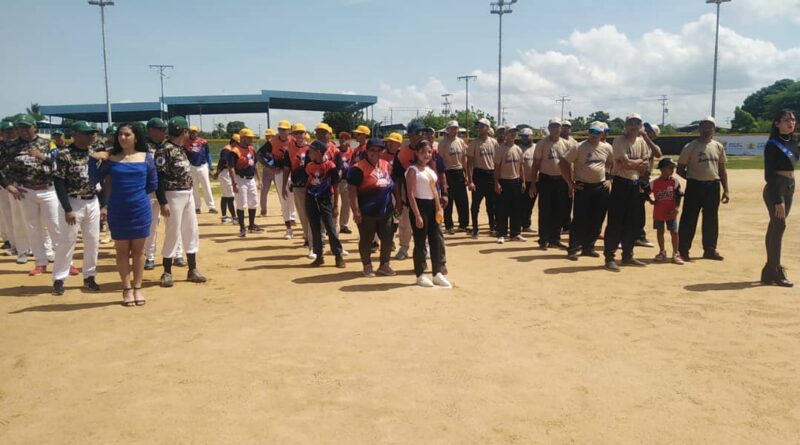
(173,167)
(72,173)
(26,170)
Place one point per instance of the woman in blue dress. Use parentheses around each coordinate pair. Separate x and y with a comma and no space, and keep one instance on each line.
(128,173)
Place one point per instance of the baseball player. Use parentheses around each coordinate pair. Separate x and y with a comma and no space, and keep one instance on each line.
(223,174)
(80,208)
(199,155)
(271,157)
(242,168)
(174,178)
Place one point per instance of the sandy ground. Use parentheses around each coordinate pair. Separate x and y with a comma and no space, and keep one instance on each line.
(528,348)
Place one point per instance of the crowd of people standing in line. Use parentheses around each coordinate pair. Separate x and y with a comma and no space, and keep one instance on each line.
(394,191)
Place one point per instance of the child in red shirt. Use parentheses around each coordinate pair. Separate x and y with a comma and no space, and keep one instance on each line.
(323,175)
(667,192)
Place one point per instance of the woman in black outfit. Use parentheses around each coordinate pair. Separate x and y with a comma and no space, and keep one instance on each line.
(780,158)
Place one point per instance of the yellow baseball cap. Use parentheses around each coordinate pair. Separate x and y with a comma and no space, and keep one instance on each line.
(363,129)
(297,127)
(236,138)
(307,137)
(193,128)
(394,137)
(269,132)
(284,125)
(323,126)
(247,133)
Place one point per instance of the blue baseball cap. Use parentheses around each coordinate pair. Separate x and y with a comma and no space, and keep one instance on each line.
(415,127)
(375,142)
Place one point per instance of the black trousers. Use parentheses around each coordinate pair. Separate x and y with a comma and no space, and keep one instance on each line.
(484,188)
(774,238)
(700,196)
(623,218)
(320,212)
(508,207)
(591,206)
(369,227)
(553,194)
(642,216)
(526,206)
(566,216)
(457,191)
(430,232)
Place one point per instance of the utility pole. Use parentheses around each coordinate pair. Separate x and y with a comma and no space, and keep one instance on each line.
(500,7)
(563,100)
(467,79)
(716,56)
(446,104)
(664,110)
(161,69)
(102,4)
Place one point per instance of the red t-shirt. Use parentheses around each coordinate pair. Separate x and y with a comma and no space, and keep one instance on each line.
(321,177)
(666,193)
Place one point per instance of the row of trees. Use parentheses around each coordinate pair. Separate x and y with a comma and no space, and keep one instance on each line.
(756,113)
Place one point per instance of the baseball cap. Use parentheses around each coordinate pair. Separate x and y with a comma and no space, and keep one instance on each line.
(709,119)
(597,127)
(6,126)
(429,130)
(193,129)
(511,127)
(484,121)
(178,123)
(157,123)
(82,127)
(269,132)
(236,138)
(394,137)
(375,142)
(57,132)
(501,127)
(666,162)
(284,125)
(526,132)
(414,128)
(111,130)
(324,127)
(362,129)
(566,123)
(247,133)
(633,116)
(554,121)
(652,127)
(319,146)
(26,120)
(452,124)
(344,135)
(297,127)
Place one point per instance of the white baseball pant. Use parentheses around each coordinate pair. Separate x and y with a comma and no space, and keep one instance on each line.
(200,180)
(247,198)
(21,240)
(6,220)
(344,203)
(181,225)
(40,208)
(225,183)
(152,240)
(87,219)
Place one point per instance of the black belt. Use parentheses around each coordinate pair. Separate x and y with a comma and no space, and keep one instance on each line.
(43,186)
(589,184)
(626,180)
(704,182)
(244,177)
(549,177)
(83,197)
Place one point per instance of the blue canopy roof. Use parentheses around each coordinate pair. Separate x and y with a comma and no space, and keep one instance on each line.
(215,104)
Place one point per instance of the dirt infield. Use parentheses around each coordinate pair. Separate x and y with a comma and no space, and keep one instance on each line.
(528,348)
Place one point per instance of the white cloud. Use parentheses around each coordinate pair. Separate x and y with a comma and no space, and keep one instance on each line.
(604,69)
(767,10)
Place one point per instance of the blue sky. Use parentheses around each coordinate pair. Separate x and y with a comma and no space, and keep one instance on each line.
(405,52)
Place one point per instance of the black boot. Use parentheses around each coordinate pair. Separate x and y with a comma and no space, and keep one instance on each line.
(767,276)
(780,278)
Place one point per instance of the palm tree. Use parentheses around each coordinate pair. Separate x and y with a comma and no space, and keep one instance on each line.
(34,110)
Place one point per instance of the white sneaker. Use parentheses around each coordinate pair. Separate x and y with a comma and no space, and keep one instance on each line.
(345,252)
(519,238)
(501,240)
(311,254)
(288,234)
(22,259)
(441,281)
(424,281)
(51,257)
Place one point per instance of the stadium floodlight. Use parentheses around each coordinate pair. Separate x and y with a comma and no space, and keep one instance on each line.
(102,4)
(716,55)
(500,7)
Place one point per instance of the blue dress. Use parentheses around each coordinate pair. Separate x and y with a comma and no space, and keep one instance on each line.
(129,214)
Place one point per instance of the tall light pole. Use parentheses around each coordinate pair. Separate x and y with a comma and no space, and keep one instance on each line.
(161,74)
(716,55)
(467,79)
(102,4)
(500,7)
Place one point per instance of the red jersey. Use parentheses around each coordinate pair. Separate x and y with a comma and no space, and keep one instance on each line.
(667,193)
(361,152)
(345,158)
(279,147)
(296,160)
(321,178)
